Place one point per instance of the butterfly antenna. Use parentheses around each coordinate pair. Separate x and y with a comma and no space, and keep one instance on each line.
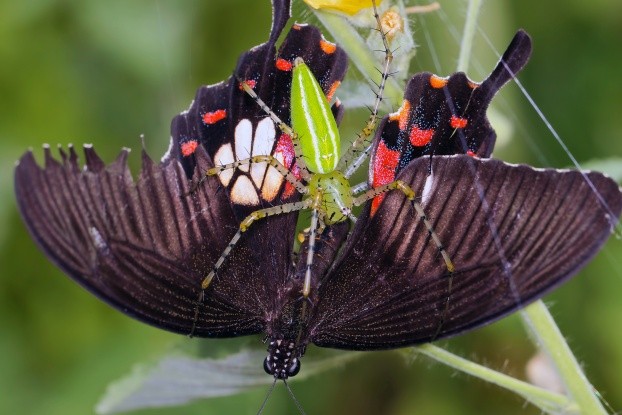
(265,401)
(291,393)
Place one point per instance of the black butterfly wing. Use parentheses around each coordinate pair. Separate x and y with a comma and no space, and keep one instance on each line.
(442,116)
(142,247)
(513,233)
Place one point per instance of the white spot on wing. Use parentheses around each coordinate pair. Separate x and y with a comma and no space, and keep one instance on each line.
(98,240)
(264,137)
(243,141)
(262,145)
(224,155)
(271,184)
(427,189)
(243,192)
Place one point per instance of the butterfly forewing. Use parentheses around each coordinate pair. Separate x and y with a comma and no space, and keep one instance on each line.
(142,247)
(513,233)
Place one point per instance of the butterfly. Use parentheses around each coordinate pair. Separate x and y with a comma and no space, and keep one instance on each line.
(145,246)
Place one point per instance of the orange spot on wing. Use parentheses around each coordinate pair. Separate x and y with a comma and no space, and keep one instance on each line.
(457,122)
(472,84)
(328,47)
(283,65)
(213,117)
(420,138)
(296,27)
(332,90)
(189,147)
(401,116)
(250,82)
(437,82)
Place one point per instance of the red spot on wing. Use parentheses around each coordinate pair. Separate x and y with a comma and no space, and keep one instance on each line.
(285,148)
(283,65)
(470,153)
(385,164)
(437,82)
(332,90)
(189,147)
(213,117)
(250,82)
(289,190)
(328,47)
(458,122)
(420,138)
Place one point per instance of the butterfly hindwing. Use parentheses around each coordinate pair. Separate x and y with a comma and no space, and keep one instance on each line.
(442,116)
(232,127)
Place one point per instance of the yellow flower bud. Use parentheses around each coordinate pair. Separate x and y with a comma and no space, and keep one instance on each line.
(350,7)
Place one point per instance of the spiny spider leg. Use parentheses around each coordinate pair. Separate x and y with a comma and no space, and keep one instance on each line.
(272,161)
(410,195)
(360,188)
(246,223)
(286,129)
(359,150)
(306,288)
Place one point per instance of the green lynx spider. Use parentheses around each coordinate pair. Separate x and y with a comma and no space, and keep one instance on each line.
(328,193)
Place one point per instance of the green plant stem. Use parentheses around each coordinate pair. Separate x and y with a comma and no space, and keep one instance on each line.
(548,401)
(358,52)
(550,339)
(466,44)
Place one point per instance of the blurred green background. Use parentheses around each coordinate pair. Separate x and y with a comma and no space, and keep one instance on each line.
(104,72)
